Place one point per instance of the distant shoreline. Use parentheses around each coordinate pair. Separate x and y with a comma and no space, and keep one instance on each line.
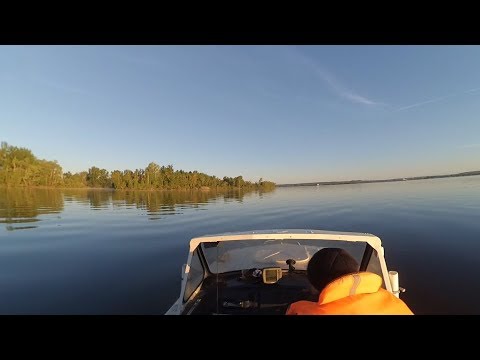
(468,173)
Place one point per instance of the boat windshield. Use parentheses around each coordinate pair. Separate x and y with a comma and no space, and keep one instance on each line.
(225,256)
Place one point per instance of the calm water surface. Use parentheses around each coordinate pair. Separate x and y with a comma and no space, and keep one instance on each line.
(102,252)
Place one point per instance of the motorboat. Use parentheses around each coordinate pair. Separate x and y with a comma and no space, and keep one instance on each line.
(262,272)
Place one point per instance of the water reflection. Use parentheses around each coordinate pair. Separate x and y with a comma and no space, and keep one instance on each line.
(95,199)
(235,195)
(20,206)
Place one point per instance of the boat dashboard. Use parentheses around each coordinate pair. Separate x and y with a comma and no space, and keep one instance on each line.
(267,291)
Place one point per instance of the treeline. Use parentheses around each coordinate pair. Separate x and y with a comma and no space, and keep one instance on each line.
(20,168)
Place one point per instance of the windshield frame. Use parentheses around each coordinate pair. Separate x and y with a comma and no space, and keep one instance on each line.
(374,246)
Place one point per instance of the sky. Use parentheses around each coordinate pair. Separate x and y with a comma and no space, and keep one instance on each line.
(283,113)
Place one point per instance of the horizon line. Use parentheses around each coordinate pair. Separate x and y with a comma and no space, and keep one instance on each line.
(382,180)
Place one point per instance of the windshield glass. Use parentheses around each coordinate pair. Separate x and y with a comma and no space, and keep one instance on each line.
(239,255)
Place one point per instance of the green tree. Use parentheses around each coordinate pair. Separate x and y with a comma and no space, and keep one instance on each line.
(98,177)
(20,168)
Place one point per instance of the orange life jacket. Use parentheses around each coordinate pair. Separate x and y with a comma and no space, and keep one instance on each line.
(353,294)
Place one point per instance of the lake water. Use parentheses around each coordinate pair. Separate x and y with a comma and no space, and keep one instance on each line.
(103,252)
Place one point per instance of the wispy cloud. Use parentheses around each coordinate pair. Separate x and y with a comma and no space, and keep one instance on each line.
(434,100)
(333,83)
(358,98)
(437,99)
(341,90)
(472,90)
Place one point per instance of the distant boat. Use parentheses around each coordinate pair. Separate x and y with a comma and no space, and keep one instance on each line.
(318,184)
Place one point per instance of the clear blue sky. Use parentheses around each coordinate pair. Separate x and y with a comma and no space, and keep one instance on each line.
(284,113)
